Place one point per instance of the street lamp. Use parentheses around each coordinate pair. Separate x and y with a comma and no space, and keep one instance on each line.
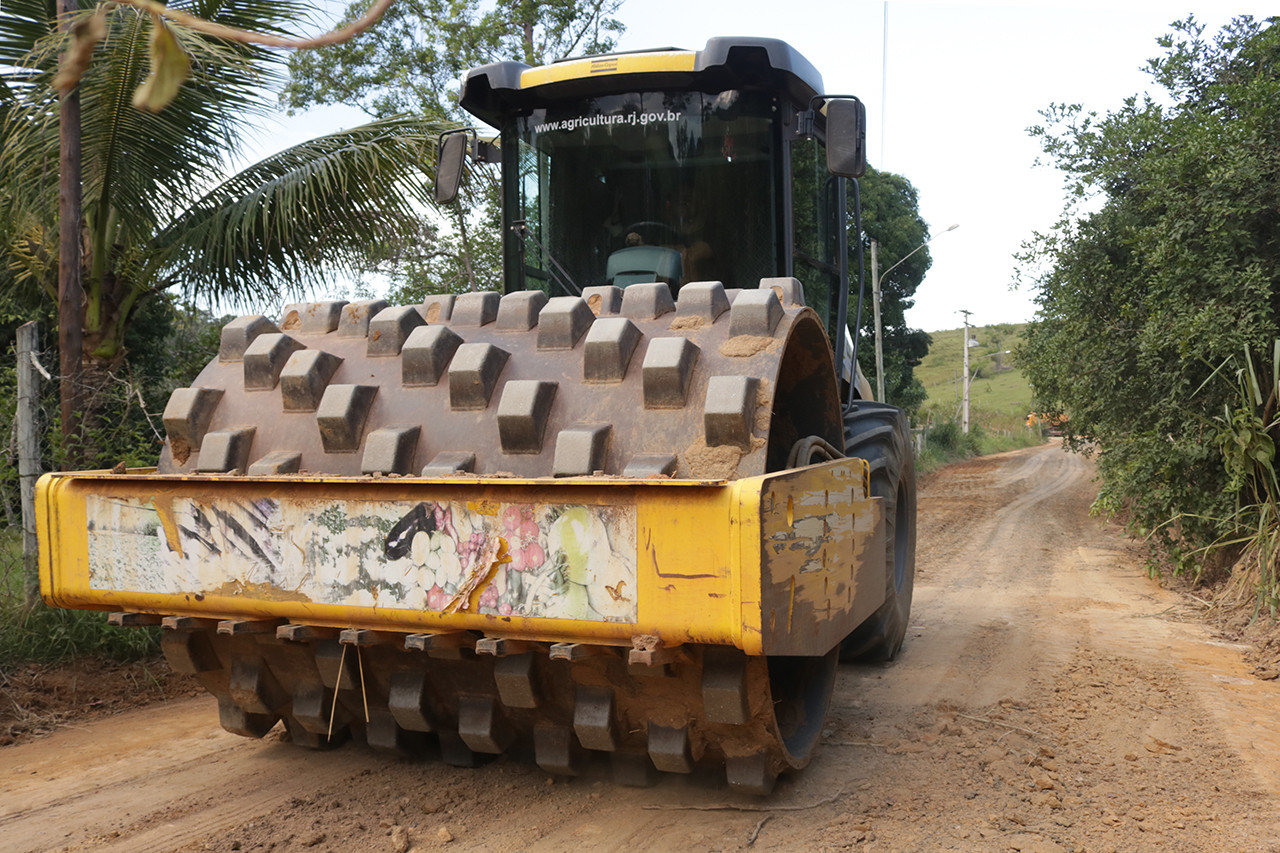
(876,279)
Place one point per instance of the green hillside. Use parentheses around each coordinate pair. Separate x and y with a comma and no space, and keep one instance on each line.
(999,396)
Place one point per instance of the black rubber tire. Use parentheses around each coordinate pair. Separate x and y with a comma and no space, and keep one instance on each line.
(879,433)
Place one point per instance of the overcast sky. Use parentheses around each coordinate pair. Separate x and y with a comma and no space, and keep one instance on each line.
(950,89)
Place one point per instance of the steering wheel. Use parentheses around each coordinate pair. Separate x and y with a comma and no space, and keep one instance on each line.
(649,224)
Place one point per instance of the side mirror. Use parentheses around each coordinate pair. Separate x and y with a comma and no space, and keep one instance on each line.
(846,137)
(451,154)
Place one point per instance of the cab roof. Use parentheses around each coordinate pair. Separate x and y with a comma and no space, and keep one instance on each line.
(501,89)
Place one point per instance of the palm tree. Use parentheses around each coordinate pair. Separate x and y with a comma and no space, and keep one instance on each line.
(159,213)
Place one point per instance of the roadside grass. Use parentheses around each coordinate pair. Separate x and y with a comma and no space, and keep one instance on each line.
(53,635)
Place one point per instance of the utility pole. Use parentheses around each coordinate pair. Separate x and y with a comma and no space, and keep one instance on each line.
(964,418)
(875,305)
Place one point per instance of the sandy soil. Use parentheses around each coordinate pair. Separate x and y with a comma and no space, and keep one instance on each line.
(1049,699)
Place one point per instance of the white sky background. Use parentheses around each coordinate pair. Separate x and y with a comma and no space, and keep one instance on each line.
(962,82)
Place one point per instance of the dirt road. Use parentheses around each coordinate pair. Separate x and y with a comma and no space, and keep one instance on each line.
(1047,700)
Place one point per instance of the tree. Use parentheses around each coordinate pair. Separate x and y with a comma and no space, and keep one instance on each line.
(159,213)
(411,63)
(1164,267)
(891,217)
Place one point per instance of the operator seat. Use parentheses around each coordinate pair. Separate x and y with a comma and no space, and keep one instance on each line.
(642,264)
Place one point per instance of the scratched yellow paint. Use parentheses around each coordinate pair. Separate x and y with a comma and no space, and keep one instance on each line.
(685,566)
(821,556)
(709,556)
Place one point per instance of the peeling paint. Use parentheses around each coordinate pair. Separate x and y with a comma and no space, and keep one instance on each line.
(819,532)
(263,591)
(509,559)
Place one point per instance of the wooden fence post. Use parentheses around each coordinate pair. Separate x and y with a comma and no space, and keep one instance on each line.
(29,454)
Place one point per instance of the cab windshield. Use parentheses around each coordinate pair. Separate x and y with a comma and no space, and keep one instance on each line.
(652,186)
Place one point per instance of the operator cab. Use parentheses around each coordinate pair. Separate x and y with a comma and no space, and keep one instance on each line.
(669,186)
(674,166)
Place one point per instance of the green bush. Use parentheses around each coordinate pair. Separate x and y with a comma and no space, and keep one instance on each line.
(1246,435)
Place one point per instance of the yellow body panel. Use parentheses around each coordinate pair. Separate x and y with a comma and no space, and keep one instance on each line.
(768,564)
(633,63)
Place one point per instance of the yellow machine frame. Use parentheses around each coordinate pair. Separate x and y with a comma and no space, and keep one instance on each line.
(780,564)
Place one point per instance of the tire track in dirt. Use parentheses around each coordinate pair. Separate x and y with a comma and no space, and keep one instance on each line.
(973,642)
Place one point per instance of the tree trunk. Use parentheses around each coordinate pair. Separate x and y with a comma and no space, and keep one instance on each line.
(70,290)
(528,42)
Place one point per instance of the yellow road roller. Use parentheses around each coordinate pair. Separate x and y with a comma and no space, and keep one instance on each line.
(632,504)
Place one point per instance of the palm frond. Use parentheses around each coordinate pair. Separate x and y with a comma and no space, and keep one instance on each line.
(22,24)
(141,169)
(326,203)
